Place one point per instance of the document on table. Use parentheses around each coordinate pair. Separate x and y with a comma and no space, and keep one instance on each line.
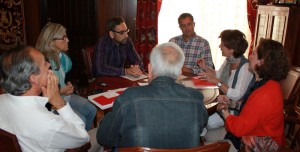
(199,83)
(143,84)
(106,99)
(132,78)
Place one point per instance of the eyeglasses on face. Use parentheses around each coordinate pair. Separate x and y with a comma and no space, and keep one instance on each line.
(121,32)
(65,37)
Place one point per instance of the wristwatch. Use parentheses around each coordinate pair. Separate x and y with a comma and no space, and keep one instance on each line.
(219,84)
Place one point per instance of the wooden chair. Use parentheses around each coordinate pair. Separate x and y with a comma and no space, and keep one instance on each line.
(87,57)
(83,148)
(291,86)
(291,90)
(214,147)
(87,54)
(9,143)
(295,141)
(86,83)
(292,124)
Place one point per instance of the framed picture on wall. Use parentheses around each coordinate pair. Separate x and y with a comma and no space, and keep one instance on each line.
(290,2)
(286,2)
(281,1)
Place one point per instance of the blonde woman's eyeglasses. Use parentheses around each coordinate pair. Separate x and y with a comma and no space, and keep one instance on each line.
(65,37)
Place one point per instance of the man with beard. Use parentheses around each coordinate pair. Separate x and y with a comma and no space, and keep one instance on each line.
(115,54)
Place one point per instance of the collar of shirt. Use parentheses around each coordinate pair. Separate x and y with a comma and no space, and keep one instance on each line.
(28,100)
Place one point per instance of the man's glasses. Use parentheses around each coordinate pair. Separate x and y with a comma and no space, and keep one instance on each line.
(62,38)
(121,32)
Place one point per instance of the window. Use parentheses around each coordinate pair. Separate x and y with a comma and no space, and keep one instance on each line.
(211,18)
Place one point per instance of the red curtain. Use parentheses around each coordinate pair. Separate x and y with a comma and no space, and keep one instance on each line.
(146,27)
(252,11)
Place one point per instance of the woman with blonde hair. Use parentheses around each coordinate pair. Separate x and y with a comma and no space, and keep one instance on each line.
(53,43)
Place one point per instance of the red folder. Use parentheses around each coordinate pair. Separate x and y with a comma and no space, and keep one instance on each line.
(202,83)
(103,102)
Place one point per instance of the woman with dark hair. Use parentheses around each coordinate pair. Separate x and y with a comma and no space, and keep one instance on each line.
(261,121)
(233,77)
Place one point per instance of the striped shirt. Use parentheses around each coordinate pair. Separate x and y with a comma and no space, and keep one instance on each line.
(111,59)
(196,47)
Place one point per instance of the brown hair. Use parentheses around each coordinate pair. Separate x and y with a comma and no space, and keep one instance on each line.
(113,22)
(236,40)
(185,15)
(276,64)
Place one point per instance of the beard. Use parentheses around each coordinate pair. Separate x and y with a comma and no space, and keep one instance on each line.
(124,41)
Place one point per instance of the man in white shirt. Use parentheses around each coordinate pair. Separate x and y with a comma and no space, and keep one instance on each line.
(24,75)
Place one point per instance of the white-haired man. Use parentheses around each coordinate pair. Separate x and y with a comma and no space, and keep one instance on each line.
(163,114)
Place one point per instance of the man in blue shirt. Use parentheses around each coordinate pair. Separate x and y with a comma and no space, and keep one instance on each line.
(115,54)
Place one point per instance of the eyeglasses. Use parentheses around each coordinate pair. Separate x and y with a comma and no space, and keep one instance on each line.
(121,32)
(65,37)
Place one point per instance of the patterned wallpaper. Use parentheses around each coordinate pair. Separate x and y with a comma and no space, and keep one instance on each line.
(12,24)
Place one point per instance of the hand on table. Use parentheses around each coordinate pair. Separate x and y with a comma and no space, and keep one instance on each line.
(134,70)
(52,91)
(186,70)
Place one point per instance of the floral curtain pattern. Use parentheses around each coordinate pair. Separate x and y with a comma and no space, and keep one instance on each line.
(12,24)
(146,27)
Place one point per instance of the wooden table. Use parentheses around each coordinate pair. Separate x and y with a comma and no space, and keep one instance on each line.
(112,83)
(120,82)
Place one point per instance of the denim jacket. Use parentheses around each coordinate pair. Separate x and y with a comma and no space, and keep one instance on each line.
(163,114)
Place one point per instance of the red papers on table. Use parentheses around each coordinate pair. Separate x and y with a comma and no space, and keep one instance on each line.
(202,83)
(105,100)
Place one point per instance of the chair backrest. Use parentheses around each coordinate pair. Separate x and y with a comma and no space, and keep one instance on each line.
(291,93)
(290,90)
(293,143)
(9,142)
(290,86)
(214,147)
(87,56)
(296,142)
